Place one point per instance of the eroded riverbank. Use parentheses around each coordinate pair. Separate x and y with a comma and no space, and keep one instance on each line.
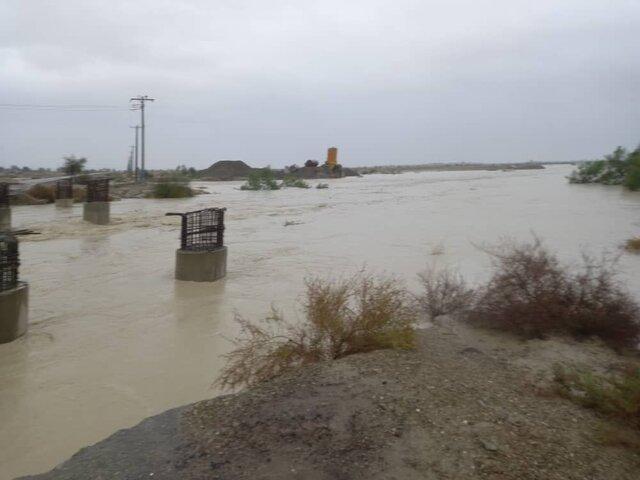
(462,405)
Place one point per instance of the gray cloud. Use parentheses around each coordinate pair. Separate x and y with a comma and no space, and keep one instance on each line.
(276,82)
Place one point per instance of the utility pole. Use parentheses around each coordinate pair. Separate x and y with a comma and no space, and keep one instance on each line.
(136,156)
(130,161)
(140,99)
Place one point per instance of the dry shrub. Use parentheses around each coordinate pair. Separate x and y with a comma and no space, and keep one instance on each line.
(633,245)
(616,395)
(341,318)
(532,294)
(444,292)
(43,192)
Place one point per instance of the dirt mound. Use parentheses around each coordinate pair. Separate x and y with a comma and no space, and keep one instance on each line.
(226,170)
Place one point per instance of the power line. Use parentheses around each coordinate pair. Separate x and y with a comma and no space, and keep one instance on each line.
(35,105)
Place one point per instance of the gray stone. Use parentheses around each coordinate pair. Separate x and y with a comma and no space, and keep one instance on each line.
(489,444)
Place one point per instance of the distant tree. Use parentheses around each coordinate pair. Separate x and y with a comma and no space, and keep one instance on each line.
(73,165)
(632,178)
(311,163)
(25,169)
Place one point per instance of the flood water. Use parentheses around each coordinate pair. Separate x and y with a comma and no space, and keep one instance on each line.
(113,338)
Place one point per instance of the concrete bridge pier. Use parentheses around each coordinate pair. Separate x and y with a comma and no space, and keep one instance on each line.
(14,312)
(201,266)
(97,212)
(5,218)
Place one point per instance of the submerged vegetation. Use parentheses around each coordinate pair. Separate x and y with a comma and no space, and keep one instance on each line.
(263,179)
(618,168)
(293,181)
(341,318)
(633,245)
(171,190)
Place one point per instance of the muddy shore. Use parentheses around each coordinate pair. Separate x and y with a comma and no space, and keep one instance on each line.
(465,404)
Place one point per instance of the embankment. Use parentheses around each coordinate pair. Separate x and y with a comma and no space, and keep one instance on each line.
(465,404)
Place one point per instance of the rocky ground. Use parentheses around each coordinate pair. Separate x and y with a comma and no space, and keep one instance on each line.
(466,404)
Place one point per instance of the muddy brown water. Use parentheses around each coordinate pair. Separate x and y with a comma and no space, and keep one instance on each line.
(114,338)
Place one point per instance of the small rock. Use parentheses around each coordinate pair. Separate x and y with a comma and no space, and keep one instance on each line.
(489,444)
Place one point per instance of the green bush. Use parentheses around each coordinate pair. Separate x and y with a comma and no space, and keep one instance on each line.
(171,190)
(293,181)
(619,168)
(616,395)
(262,179)
(632,178)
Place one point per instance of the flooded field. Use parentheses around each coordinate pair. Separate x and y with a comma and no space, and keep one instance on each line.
(114,338)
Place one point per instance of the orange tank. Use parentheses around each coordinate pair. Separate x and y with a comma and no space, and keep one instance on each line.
(332,157)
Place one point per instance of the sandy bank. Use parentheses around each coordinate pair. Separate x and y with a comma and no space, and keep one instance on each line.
(449,167)
(466,404)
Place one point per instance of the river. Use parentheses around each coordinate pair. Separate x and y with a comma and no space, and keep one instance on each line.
(113,338)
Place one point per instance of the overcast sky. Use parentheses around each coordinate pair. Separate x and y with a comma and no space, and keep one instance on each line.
(278,81)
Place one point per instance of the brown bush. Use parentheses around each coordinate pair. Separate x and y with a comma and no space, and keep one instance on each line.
(444,292)
(633,245)
(531,294)
(342,317)
(43,192)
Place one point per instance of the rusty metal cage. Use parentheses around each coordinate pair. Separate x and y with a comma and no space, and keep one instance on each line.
(9,262)
(202,230)
(64,189)
(4,194)
(98,190)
